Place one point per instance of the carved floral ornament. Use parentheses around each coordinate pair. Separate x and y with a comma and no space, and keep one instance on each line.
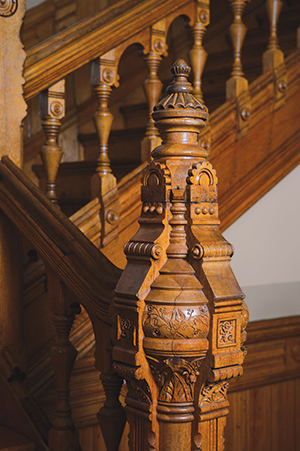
(8,7)
(175,322)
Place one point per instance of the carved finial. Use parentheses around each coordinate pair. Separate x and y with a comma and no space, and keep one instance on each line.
(180,90)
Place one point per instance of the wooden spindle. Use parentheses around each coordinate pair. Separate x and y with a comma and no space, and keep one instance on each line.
(237,85)
(153,85)
(52,108)
(112,416)
(198,57)
(104,183)
(63,435)
(197,54)
(273,58)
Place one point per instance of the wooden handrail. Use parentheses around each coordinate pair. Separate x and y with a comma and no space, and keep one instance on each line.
(70,49)
(83,268)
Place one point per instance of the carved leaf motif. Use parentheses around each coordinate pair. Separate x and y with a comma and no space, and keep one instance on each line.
(164,323)
(139,390)
(176,378)
(214,393)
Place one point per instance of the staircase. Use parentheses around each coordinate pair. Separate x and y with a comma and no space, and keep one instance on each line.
(252,137)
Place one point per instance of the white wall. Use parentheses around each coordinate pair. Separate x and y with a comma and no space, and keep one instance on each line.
(267,251)
(32,3)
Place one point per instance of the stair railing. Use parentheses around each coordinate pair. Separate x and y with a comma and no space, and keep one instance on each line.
(77,274)
(50,62)
(87,41)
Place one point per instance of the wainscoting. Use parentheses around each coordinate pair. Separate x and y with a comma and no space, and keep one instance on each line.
(264,402)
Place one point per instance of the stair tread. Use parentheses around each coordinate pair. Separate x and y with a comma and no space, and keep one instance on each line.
(11,441)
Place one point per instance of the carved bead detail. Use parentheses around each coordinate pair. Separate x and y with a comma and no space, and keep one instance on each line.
(56,108)
(197,251)
(245,114)
(112,217)
(8,7)
(282,86)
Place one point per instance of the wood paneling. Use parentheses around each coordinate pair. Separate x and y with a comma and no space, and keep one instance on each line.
(264,403)
(264,413)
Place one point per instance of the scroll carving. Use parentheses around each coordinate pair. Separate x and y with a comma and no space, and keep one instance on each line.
(8,8)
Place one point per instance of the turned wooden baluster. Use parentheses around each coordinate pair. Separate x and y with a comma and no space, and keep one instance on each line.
(112,416)
(153,85)
(237,85)
(104,183)
(273,58)
(198,57)
(52,109)
(237,34)
(197,54)
(63,436)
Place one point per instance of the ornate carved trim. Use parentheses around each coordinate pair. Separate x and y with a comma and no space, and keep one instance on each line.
(213,393)
(176,322)
(226,333)
(8,7)
(176,378)
(181,91)
(126,329)
(143,249)
(139,390)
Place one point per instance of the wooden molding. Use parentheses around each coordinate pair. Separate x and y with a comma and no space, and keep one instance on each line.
(58,241)
(65,52)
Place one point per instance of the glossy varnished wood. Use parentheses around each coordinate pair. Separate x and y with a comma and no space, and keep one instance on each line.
(49,58)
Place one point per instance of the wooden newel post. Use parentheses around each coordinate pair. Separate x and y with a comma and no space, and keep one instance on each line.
(178,323)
